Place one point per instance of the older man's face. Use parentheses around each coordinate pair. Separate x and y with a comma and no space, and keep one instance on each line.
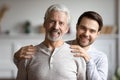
(56,25)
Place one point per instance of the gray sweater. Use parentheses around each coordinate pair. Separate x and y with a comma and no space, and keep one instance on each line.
(60,65)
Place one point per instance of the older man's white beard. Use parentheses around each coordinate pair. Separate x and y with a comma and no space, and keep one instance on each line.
(54,39)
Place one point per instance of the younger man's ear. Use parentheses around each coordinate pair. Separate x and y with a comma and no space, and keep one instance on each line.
(99,32)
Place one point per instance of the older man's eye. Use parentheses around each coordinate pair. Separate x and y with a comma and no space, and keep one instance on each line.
(51,21)
(61,23)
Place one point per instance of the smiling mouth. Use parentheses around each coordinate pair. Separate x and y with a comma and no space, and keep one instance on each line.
(83,39)
(55,33)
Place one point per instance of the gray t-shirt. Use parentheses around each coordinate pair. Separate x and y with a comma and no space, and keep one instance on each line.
(60,65)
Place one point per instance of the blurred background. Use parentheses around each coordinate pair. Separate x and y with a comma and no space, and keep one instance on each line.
(21,24)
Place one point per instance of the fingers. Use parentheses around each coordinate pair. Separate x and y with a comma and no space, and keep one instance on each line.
(75,51)
(80,52)
(77,55)
(26,52)
(25,56)
(75,48)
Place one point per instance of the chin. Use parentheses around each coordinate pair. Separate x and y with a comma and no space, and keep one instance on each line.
(54,39)
(84,45)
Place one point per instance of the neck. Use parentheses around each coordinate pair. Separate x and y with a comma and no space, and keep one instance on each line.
(86,48)
(53,44)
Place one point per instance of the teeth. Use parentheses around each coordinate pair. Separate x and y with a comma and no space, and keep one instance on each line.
(55,33)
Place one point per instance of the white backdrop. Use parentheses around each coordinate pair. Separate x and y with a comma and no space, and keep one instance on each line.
(33,10)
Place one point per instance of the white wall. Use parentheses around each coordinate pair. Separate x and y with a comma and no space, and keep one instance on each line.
(33,10)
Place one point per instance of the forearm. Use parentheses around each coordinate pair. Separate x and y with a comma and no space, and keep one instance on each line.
(22,70)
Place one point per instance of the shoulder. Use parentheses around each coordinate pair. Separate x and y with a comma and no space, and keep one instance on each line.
(66,45)
(93,52)
(69,42)
(39,45)
(99,57)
